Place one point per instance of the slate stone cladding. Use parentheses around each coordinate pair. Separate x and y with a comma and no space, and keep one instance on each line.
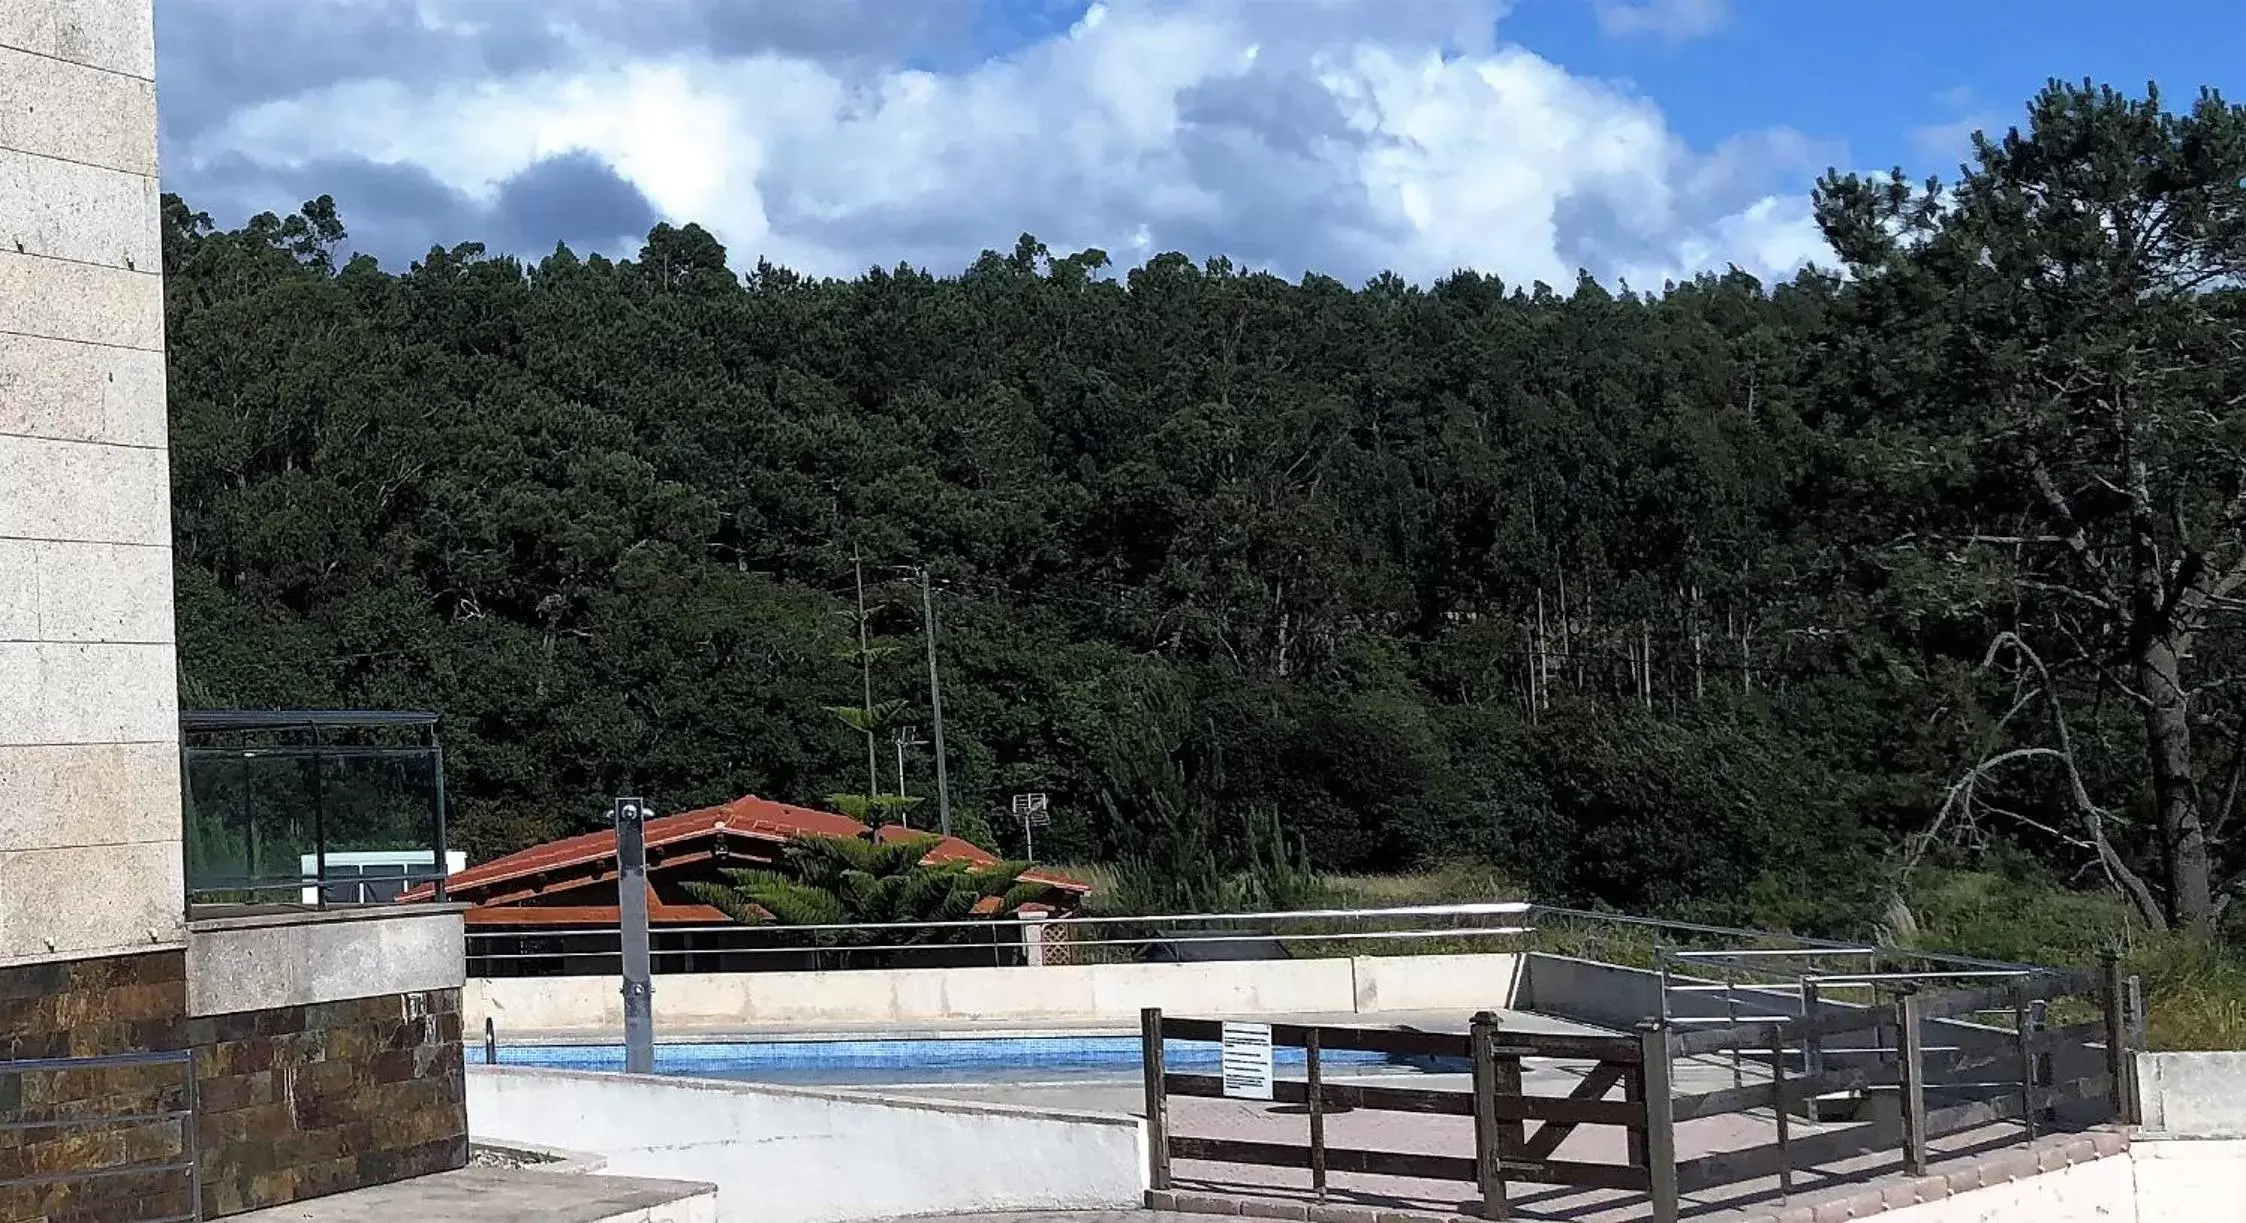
(289,1103)
(83,1008)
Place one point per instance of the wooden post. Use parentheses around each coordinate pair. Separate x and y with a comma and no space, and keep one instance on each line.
(1316,1096)
(1661,1125)
(1157,1099)
(1731,1020)
(1633,1092)
(1910,1056)
(2039,1020)
(1489,1168)
(1813,1045)
(1781,1109)
(2118,1061)
(2023,1024)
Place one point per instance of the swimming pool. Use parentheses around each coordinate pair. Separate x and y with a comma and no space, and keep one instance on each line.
(959,1059)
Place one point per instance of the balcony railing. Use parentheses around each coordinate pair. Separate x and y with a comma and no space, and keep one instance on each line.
(311,809)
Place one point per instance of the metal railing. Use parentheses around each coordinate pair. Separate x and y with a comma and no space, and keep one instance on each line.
(1690,957)
(52,1187)
(1077,940)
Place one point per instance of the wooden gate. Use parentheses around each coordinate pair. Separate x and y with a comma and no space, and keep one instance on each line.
(1506,1150)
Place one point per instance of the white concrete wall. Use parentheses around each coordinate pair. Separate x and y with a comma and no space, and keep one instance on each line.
(89,762)
(2192,1095)
(1466,983)
(782,1155)
(1095,993)
(298,959)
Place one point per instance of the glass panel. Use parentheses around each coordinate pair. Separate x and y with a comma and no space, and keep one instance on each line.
(258,817)
(385,802)
(250,824)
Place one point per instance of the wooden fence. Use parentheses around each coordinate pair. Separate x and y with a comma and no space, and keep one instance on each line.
(1892,1091)
(1505,1150)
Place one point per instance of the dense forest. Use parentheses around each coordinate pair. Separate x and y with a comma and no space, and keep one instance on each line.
(1716,597)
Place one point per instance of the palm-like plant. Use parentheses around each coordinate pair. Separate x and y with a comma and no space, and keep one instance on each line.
(835,881)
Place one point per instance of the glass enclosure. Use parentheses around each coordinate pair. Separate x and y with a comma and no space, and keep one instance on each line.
(311,808)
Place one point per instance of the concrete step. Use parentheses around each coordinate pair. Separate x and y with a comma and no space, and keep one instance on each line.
(507,1195)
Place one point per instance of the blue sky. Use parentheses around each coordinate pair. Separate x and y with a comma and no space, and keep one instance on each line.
(1836,71)
(1639,139)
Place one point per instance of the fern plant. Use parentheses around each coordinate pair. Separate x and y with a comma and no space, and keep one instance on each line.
(853,881)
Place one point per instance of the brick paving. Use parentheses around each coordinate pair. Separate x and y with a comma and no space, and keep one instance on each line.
(1953,1173)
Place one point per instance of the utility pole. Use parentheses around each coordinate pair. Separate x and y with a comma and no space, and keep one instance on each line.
(935,705)
(631,908)
(865,672)
(905,736)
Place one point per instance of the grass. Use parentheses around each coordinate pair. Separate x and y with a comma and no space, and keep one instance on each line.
(2194,988)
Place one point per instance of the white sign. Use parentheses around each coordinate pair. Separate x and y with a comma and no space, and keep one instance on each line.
(1247,1061)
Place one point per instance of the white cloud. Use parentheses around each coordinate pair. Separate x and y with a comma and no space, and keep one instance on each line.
(1672,19)
(1319,135)
(1952,142)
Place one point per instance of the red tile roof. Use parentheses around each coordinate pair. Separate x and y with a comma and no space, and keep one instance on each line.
(748,816)
(953,849)
(594,853)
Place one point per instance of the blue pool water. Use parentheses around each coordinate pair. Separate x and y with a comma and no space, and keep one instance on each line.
(977,1059)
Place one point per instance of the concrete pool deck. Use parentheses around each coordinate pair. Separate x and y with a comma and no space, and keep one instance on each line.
(1860,1185)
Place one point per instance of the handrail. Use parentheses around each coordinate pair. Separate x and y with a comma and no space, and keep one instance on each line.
(184,1116)
(1334,937)
(1471,909)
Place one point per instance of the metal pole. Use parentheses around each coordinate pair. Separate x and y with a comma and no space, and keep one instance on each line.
(935,705)
(320,819)
(631,908)
(1661,1124)
(1157,1101)
(491,1042)
(1316,1096)
(193,1141)
(1911,1052)
(443,832)
(865,671)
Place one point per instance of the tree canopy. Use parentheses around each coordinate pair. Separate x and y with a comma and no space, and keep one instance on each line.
(1728,597)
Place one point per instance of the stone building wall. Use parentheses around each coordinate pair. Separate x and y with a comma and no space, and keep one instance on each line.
(89,762)
(289,1103)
